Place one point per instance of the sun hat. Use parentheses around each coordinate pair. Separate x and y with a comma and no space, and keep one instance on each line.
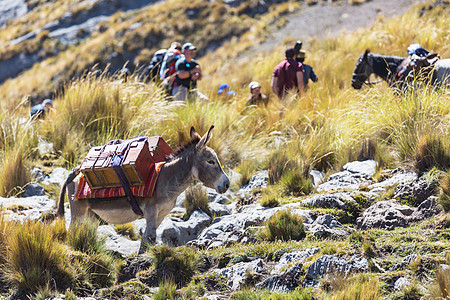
(222,87)
(253,85)
(301,54)
(188,46)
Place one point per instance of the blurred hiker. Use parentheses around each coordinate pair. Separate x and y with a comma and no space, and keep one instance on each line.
(419,61)
(125,73)
(168,71)
(188,72)
(256,97)
(288,75)
(38,111)
(225,90)
(155,64)
(308,72)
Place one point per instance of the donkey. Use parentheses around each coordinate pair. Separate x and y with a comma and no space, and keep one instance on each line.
(387,67)
(193,161)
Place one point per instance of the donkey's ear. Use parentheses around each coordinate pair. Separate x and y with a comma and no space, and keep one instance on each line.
(205,139)
(194,134)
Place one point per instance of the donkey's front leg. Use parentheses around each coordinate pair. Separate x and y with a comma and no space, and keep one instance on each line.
(149,236)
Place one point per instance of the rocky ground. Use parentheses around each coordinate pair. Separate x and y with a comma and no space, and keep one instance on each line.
(353,191)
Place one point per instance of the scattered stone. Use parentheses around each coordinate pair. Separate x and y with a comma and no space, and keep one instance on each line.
(20,209)
(34,189)
(385,215)
(328,200)
(284,282)
(116,242)
(330,264)
(176,232)
(401,283)
(293,257)
(260,180)
(58,176)
(236,274)
(416,191)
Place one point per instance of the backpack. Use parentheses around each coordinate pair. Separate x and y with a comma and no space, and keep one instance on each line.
(155,63)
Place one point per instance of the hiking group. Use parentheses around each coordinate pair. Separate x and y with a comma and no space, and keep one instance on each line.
(179,72)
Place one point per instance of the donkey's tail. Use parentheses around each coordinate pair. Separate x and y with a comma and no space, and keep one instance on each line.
(62,194)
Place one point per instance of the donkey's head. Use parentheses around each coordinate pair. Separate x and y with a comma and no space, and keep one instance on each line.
(206,166)
(362,71)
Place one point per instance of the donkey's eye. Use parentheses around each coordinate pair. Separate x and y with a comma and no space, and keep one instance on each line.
(211,162)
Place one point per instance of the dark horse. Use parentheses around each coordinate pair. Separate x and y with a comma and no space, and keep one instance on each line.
(384,66)
(387,67)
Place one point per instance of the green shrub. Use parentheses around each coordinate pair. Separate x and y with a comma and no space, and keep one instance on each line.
(296,184)
(269,198)
(284,226)
(167,291)
(177,265)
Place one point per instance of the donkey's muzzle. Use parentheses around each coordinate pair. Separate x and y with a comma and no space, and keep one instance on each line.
(223,186)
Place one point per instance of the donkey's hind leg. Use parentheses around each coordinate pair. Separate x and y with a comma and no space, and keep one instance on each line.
(79,209)
(149,236)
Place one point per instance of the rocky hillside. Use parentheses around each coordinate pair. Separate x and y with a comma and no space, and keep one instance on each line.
(348,231)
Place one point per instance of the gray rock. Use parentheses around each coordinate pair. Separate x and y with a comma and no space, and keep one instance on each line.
(58,176)
(20,209)
(116,242)
(317,177)
(176,232)
(219,210)
(404,263)
(328,200)
(260,180)
(293,257)
(237,273)
(419,190)
(401,283)
(37,174)
(426,209)
(385,215)
(366,168)
(398,177)
(329,221)
(34,189)
(329,264)
(284,282)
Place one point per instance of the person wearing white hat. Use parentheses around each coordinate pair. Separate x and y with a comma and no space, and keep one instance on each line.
(38,111)
(256,96)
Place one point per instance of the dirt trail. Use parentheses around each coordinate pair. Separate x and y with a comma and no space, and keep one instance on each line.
(321,20)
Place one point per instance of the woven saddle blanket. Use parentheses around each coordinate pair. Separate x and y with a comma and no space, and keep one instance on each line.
(147,190)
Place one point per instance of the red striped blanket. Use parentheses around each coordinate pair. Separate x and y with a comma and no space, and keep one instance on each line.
(147,190)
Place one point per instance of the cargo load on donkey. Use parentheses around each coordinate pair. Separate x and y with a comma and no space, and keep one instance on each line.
(123,168)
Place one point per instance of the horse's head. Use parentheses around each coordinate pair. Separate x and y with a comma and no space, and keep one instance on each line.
(206,166)
(362,71)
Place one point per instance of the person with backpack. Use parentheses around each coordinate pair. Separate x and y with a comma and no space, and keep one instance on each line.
(188,72)
(155,64)
(288,75)
(168,70)
(308,71)
(38,111)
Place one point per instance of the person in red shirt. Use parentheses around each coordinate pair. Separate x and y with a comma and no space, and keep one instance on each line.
(288,75)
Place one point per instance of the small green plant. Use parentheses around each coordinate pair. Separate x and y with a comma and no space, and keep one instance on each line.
(284,226)
(361,286)
(196,198)
(167,291)
(296,184)
(269,198)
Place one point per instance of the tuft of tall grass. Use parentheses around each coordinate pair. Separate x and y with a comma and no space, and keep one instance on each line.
(361,286)
(283,226)
(82,236)
(128,230)
(444,196)
(178,265)
(34,259)
(167,291)
(270,198)
(432,151)
(196,198)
